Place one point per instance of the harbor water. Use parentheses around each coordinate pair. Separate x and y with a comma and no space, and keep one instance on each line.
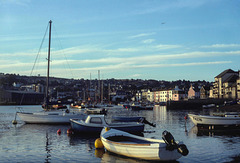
(41,143)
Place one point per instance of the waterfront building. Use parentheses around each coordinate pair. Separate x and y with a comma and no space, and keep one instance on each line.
(227,85)
(193,93)
(219,88)
(178,94)
(230,87)
(204,92)
(40,88)
(175,94)
(147,95)
(238,86)
(138,96)
(211,92)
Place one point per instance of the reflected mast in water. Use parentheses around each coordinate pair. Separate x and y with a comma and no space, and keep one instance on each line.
(48,149)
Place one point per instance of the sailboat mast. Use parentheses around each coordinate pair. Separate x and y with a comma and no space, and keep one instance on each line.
(49,46)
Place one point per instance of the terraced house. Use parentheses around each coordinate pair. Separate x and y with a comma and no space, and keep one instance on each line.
(227,85)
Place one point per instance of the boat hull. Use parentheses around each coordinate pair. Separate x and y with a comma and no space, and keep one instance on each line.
(147,149)
(48,118)
(136,108)
(80,126)
(199,120)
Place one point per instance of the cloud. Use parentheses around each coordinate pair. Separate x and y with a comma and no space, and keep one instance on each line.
(182,64)
(143,59)
(222,46)
(147,59)
(148,41)
(167,46)
(135,76)
(141,35)
(15,2)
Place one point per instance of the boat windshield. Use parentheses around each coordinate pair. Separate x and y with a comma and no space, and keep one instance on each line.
(96,120)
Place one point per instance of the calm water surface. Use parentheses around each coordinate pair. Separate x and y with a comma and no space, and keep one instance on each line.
(41,143)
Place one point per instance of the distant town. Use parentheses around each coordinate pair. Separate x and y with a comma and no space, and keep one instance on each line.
(22,90)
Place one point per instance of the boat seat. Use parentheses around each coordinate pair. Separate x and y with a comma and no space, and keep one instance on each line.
(130,140)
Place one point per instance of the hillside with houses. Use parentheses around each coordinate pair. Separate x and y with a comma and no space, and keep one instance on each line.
(16,89)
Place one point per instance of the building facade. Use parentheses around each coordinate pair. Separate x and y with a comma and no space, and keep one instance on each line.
(227,85)
(193,93)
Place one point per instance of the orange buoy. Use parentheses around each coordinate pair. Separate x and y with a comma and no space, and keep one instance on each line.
(69,131)
(59,131)
(186,117)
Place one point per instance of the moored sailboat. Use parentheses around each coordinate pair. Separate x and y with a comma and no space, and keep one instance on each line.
(49,115)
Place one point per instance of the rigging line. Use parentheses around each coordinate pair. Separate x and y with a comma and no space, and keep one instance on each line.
(39,50)
(36,60)
(63,51)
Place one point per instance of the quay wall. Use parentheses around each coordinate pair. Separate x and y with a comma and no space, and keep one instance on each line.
(194,103)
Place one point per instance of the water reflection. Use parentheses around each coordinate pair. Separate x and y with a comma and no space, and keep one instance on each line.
(225,132)
(160,113)
(112,157)
(40,143)
(48,148)
(87,139)
(99,152)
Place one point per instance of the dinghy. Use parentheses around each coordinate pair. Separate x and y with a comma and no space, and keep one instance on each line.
(129,145)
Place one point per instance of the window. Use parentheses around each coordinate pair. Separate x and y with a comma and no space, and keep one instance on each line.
(96,120)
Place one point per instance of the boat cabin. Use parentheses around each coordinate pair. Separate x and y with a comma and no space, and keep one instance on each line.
(96,119)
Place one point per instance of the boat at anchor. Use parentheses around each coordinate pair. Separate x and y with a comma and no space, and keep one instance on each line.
(226,120)
(126,144)
(95,123)
(49,114)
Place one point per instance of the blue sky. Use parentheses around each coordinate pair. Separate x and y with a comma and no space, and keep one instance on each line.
(124,39)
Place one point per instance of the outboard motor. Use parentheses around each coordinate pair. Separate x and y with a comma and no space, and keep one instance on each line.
(169,140)
(143,120)
(171,143)
(182,148)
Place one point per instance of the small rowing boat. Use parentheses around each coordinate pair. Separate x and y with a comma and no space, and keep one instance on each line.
(130,145)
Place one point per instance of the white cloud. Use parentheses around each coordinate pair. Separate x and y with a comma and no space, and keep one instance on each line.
(15,2)
(182,64)
(148,41)
(123,50)
(161,46)
(141,35)
(148,60)
(135,76)
(222,46)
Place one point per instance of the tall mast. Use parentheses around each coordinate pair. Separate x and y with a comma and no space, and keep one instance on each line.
(49,46)
(99,89)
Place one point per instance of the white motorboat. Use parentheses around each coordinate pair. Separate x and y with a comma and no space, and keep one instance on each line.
(226,120)
(49,114)
(95,124)
(129,145)
(49,117)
